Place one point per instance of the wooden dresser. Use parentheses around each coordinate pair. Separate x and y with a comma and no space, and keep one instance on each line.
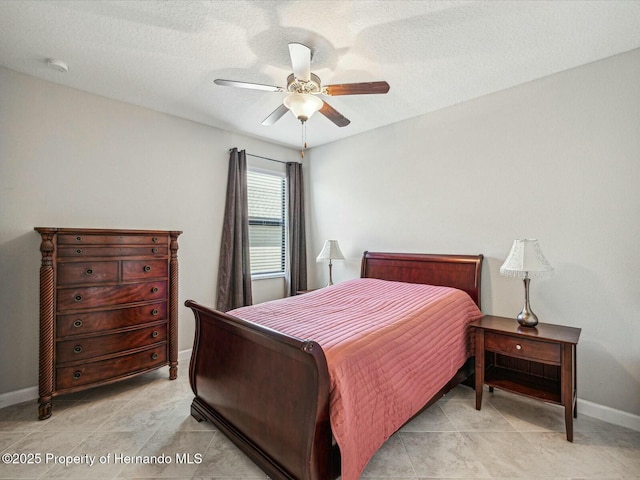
(108,307)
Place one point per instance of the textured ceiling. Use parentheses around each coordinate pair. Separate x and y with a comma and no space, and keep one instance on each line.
(165,55)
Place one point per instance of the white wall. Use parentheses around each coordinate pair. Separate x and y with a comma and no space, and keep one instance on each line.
(556,159)
(71,159)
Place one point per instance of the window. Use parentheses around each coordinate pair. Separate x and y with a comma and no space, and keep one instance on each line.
(266,195)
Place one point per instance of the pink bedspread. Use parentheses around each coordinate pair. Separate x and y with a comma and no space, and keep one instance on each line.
(390,347)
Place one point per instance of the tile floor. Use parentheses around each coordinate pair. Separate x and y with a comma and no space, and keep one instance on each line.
(511,437)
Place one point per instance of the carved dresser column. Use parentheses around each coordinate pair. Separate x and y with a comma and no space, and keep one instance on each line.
(173,314)
(47,323)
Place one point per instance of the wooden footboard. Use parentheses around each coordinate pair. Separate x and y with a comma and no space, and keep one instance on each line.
(281,421)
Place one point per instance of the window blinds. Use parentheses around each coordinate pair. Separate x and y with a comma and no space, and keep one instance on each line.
(266,196)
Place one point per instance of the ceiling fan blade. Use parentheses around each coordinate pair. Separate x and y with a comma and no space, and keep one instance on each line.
(357,88)
(275,115)
(333,115)
(300,61)
(251,86)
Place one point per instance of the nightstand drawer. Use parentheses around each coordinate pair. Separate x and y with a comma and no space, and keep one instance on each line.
(523,348)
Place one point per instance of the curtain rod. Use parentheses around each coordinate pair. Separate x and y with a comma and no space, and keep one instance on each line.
(266,158)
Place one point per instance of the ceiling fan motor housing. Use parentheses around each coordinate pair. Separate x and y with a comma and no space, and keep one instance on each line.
(295,85)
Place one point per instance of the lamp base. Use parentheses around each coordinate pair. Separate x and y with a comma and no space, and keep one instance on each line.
(330,275)
(526,317)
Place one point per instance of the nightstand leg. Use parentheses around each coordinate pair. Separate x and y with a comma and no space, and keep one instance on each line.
(479,374)
(567,389)
(575,381)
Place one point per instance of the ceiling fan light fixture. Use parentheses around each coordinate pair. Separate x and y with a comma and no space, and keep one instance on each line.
(302,105)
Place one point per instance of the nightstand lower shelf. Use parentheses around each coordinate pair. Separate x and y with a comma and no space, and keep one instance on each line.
(528,385)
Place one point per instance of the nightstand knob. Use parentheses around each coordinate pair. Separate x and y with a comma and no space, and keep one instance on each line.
(518,347)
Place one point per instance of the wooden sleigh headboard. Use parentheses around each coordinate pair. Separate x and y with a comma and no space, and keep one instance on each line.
(458,271)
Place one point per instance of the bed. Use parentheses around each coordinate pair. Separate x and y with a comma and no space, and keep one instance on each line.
(274,394)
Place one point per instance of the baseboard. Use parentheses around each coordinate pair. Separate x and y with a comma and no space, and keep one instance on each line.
(18,396)
(595,410)
(31,393)
(608,414)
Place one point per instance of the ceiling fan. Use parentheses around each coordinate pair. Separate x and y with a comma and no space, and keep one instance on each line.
(304,86)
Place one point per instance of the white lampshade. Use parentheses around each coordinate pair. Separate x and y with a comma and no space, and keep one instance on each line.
(330,251)
(302,105)
(526,260)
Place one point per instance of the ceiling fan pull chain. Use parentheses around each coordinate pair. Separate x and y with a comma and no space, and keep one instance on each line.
(304,139)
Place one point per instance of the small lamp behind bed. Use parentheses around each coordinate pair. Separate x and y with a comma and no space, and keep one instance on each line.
(330,251)
(526,261)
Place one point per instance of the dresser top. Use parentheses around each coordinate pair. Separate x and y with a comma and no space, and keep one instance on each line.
(105,231)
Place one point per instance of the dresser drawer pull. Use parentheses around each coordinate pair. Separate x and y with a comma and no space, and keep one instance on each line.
(518,347)
(88,271)
(154,311)
(79,251)
(147,268)
(155,334)
(77,298)
(77,349)
(77,323)
(77,375)
(154,239)
(154,356)
(79,238)
(154,290)
(154,250)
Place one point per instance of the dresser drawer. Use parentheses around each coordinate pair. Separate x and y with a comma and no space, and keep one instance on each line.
(81,323)
(111,369)
(89,297)
(140,269)
(82,251)
(536,350)
(85,348)
(82,238)
(87,272)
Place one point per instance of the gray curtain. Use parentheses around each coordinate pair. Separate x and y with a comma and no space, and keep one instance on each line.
(234,273)
(297,261)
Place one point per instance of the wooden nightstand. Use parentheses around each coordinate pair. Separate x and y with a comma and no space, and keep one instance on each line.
(537,362)
(302,292)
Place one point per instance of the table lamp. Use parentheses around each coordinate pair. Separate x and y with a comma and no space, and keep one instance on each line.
(526,261)
(330,251)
